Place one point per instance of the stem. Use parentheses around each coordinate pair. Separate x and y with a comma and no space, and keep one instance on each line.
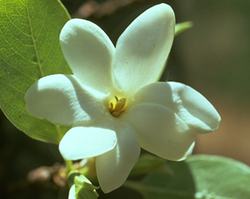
(69,166)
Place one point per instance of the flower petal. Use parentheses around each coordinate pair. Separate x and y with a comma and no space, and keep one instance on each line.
(114,167)
(85,142)
(60,99)
(160,131)
(189,152)
(191,107)
(143,48)
(89,53)
(72,192)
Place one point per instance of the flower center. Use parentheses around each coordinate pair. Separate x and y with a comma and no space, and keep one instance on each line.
(117,106)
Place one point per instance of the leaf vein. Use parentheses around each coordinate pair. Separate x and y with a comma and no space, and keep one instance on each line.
(34,44)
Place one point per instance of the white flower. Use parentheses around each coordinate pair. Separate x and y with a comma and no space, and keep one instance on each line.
(72,192)
(113,102)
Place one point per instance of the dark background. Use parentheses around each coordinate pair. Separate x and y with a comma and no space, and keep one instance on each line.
(213,57)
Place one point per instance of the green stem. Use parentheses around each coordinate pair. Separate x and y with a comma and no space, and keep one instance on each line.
(69,166)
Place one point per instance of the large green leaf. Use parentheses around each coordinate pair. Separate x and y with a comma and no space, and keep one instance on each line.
(199,177)
(147,163)
(29,49)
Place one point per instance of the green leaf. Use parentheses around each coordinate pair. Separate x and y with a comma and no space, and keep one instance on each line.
(199,177)
(84,188)
(182,27)
(146,164)
(29,50)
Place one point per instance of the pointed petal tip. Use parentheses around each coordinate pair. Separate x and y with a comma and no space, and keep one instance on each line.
(190,105)
(213,118)
(72,28)
(143,48)
(71,25)
(89,53)
(46,96)
(111,187)
(217,121)
(165,6)
(65,29)
(60,99)
(165,10)
(113,167)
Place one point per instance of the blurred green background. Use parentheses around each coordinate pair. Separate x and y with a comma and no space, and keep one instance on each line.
(213,57)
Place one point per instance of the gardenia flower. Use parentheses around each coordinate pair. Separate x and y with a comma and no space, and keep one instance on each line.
(113,102)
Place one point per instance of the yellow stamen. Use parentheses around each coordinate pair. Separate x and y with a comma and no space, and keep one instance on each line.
(117,106)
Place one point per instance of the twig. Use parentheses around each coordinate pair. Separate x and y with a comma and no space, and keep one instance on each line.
(55,173)
(93,9)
